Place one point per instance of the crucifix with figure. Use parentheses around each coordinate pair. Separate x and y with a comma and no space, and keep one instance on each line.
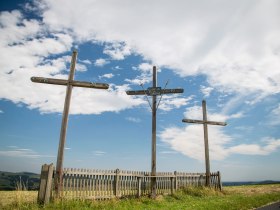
(154,92)
(205,122)
(70,83)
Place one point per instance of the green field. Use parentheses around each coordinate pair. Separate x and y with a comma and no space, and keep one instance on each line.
(238,197)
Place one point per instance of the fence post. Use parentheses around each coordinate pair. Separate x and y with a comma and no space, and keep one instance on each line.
(45,187)
(220,181)
(200,181)
(176,180)
(117,183)
(139,181)
(172,185)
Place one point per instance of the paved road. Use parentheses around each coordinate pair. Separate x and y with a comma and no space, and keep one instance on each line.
(273,206)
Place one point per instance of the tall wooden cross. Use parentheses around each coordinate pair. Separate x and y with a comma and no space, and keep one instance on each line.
(205,122)
(154,92)
(70,83)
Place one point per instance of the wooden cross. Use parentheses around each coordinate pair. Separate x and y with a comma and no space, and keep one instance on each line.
(205,122)
(69,83)
(154,92)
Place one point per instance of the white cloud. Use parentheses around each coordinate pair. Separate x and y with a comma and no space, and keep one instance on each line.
(170,102)
(99,153)
(235,44)
(274,116)
(86,61)
(276,111)
(146,70)
(139,80)
(190,37)
(190,139)
(145,67)
(190,142)
(206,90)
(117,50)
(269,146)
(133,119)
(32,50)
(16,152)
(117,68)
(101,62)
(113,100)
(1,112)
(168,152)
(80,67)
(108,76)
(195,113)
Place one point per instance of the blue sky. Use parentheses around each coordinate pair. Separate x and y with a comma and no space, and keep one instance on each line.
(222,51)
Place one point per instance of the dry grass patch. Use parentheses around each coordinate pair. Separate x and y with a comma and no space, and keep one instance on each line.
(17,197)
(253,189)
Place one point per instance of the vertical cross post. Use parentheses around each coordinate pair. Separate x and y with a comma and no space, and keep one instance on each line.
(154,91)
(63,130)
(205,122)
(206,145)
(154,130)
(70,83)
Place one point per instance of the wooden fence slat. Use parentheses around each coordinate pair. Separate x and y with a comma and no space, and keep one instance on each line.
(103,184)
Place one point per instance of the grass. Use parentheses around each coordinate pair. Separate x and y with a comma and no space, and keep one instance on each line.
(241,197)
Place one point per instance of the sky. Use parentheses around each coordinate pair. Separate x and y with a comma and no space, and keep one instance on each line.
(225,52)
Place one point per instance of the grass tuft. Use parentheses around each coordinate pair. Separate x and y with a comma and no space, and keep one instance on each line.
(243,197)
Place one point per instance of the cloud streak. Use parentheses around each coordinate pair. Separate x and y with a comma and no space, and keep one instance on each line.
(16,152)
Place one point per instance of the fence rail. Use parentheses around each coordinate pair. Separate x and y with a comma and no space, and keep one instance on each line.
(102,184)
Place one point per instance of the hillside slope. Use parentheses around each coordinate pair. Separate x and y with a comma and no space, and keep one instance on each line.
(21,180)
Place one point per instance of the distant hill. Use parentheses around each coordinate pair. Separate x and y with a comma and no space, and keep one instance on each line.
(250,183)
(23,180)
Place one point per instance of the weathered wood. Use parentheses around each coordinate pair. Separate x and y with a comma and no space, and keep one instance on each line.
(139,183)
(202,122)
(172,185)
(60,155)
(205,129)
(70,83)
(45,188)
(154,91)
(116,187)
(205,122)
(154,130)
(149,93)
(108,184)
(220,181)
(176,180)
(74,83)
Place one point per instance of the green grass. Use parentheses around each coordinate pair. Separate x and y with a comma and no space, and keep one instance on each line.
(243,197)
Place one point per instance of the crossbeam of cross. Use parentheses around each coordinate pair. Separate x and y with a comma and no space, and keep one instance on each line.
(154,91)
(205,122)
(70,83)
